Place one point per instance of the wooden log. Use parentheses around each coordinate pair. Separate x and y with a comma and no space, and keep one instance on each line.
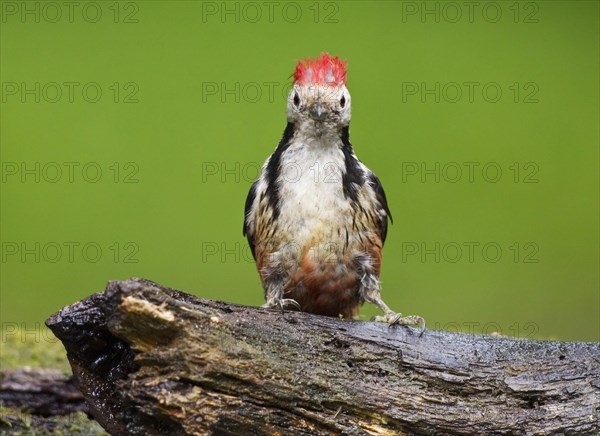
(40,391)
(153,360)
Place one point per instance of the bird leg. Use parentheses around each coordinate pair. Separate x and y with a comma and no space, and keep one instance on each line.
(369,291)
(392,317)
(280,303)
(274,285)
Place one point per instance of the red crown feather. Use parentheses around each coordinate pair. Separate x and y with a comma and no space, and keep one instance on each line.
(323,70)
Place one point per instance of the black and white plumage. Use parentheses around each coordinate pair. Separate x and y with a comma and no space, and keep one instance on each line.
(316,219)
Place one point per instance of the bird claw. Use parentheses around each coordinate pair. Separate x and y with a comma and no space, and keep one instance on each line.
(280,303)
(392,318)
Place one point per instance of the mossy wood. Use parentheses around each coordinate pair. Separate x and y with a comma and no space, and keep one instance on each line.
(153,360)
(40,391)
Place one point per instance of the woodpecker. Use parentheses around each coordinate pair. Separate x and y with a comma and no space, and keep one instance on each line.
(316,218)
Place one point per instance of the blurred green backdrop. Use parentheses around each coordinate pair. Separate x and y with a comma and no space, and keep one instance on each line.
(136,128)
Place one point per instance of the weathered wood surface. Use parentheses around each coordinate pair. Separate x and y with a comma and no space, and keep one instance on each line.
(153,360)
(40,391)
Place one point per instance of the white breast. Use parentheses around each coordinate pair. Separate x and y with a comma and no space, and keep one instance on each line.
(311,193)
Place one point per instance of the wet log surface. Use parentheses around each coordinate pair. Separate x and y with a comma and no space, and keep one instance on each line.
(153,360)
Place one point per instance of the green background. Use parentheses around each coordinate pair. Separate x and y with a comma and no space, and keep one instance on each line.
(194,153)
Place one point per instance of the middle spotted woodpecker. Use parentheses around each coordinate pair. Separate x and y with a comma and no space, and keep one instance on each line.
(317,217)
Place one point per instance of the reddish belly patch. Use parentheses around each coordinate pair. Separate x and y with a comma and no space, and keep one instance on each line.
(329,288)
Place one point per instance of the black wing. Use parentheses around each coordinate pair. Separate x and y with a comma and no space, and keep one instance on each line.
(381,223)
(247,231)
(272,172)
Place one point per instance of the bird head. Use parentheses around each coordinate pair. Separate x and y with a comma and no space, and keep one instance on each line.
(319,99)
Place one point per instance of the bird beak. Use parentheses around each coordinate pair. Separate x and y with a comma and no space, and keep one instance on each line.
(318,111)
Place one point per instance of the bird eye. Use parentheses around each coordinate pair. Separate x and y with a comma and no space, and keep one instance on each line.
(296,100)
(343,101)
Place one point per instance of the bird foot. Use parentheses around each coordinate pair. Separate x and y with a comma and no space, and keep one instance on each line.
(280,303)
(392,318)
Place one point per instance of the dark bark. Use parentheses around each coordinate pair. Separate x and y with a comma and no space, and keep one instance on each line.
(40,391)
(42,401)
(152,360)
